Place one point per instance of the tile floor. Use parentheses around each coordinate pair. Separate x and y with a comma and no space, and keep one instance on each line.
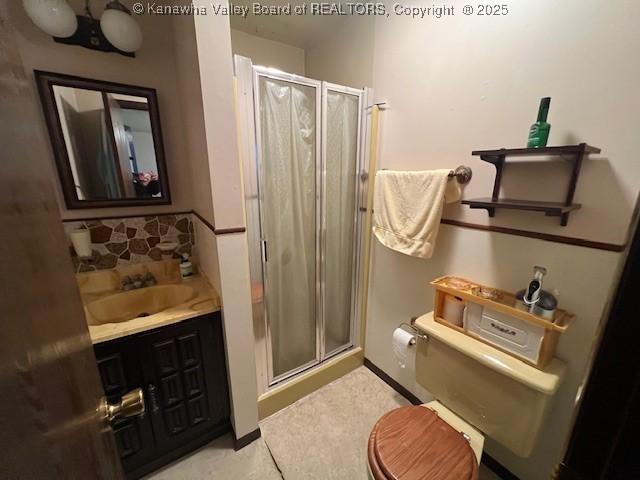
(322,436)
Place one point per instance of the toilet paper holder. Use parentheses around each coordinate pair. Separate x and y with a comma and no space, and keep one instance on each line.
(415,331)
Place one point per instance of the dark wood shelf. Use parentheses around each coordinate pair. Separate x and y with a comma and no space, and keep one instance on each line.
(498,158)
(520,152)
(551,209)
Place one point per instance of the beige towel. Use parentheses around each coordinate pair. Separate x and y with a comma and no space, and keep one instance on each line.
(407,207)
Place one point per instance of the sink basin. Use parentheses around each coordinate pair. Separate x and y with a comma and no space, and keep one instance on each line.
(124,306)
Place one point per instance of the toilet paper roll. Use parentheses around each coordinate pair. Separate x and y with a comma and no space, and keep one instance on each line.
(402,346)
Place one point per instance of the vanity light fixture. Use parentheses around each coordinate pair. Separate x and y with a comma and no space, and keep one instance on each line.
(116,31)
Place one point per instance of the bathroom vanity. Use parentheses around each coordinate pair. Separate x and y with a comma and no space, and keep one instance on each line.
(167,340)
(181,370)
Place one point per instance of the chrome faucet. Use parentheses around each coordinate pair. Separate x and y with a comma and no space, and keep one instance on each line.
(149,280)
(127,284)
(138,281)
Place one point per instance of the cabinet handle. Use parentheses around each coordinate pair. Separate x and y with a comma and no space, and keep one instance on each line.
(151,390)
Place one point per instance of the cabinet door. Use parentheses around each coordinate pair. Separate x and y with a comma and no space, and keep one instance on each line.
(186,381)
(119,369)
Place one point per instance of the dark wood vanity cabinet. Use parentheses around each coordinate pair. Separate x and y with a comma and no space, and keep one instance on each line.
(181,370)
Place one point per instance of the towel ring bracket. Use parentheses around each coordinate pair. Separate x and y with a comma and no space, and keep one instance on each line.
(462,174)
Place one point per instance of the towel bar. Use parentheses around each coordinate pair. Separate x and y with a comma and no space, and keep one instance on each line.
(380,105)
(462,173)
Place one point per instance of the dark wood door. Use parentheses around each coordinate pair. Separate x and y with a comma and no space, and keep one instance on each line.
(186,381)
(120,371)
(49,384)
(604,443)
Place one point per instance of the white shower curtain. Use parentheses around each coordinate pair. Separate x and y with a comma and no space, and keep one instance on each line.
(341,163)
(288,129)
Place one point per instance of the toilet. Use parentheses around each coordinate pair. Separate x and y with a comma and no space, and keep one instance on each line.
(478,391)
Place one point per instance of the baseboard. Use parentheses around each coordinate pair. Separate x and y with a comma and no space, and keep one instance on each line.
(245,440)
(392,383)
(490,462)
(497,468)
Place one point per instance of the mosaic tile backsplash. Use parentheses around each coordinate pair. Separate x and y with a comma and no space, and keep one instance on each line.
(122,241)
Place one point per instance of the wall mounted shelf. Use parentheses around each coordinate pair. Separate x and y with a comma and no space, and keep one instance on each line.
(551,209)
(498,158)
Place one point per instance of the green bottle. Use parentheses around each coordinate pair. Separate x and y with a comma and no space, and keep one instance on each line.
(539,131)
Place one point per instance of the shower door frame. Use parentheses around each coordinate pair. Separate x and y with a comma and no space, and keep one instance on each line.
(355,264)
(321,91)
(258,72)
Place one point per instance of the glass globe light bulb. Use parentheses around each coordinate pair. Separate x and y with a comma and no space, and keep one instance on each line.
(54,17)
(119,27)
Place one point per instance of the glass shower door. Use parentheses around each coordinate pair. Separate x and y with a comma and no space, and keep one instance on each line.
(308,150)
(288,115)
(341,122)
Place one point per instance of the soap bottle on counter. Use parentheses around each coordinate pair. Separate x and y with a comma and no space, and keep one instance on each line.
(186,268)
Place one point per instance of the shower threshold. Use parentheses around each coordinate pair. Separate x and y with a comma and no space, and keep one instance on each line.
(303,383)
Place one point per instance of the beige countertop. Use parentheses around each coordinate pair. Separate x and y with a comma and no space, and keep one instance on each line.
(204,300)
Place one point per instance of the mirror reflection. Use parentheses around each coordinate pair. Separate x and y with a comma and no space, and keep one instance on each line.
(107,141)
(109,144)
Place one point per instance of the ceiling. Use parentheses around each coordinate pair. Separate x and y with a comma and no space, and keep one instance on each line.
(300,31)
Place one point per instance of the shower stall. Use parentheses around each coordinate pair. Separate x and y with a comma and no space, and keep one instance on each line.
(302,179)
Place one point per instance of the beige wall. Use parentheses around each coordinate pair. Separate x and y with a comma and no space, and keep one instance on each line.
(205,78)
(186,51)
(154,66)
(207,253)
(461,83)
(346,56)
(189,88)
(216,79)
(268,53)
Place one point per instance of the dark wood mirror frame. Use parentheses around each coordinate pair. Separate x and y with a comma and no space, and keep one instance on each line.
(45,82)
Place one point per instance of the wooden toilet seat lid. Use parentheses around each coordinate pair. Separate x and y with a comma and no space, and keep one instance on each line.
(414,443)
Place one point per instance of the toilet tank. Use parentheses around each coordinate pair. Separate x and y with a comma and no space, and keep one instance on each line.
(500,395)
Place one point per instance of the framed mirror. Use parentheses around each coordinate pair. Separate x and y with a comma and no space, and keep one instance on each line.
(107,141)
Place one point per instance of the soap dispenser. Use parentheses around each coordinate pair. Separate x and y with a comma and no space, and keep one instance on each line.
(186,268)
(534,299)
